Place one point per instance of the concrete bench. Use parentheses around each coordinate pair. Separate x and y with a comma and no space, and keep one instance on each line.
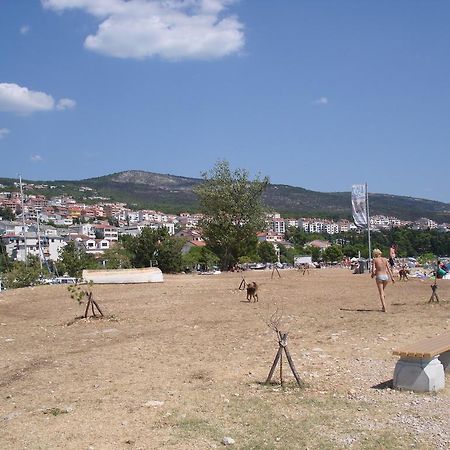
(421,365)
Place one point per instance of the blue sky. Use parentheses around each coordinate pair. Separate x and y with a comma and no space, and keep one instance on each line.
(313,93)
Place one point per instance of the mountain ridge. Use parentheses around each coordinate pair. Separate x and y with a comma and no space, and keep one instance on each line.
(173,193)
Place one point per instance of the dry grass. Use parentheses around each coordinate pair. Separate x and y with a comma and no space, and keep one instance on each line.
(206,358)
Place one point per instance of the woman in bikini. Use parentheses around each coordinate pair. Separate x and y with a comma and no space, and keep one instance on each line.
(382,271)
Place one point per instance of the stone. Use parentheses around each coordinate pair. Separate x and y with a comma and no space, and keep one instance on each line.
(444,358)
(153,403)
(419,375)
(12,415)
(228,441)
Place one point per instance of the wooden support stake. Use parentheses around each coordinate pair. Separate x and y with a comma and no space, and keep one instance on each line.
(87,306)
(274,365)
(281,369)
(98,307)
(434,297)
(243,284)
(282,346)
(273,271)
(291,364)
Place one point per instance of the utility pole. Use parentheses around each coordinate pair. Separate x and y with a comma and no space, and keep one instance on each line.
(368,227)
(23,219)
(39,241)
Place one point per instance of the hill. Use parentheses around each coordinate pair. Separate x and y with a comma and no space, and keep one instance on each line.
(173,193)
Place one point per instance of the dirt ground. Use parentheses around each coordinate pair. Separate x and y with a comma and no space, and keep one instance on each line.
(182,364)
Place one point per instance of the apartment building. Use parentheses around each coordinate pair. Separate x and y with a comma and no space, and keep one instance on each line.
(18,246)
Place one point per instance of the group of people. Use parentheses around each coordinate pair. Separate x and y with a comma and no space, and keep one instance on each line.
(382,271)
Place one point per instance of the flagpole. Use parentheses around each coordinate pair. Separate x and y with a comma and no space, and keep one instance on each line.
(368,225)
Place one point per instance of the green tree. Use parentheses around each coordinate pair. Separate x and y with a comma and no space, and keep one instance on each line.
(233,212)
(5,262)
(426,258)
(315,252)
(200,256)
(169,255)
(297,236)
(21,274)
(113,221)
(142,248)
(287,254)
(151,245)
(74,259)
(116,257)
(267,253)
(333,253)
(7,213)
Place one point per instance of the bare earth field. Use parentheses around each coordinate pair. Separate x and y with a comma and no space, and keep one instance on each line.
(181,365)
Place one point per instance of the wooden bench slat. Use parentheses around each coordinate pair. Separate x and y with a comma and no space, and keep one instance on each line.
(425,348)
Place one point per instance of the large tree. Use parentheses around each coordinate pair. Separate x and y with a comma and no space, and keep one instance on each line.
(21,274)
(7,214)
(199,257)
(116,257)
(73,259)
(267,253)
(233,212)
(154,245)
(333,254)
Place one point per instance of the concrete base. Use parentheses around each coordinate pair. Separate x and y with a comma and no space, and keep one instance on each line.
(419,375)
(445,360)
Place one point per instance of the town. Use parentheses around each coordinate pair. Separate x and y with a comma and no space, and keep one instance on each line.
(42,226)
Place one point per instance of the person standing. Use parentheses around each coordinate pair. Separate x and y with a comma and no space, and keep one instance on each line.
(382,271)
(392,255)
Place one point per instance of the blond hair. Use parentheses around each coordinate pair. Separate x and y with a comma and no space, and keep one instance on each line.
(377,252)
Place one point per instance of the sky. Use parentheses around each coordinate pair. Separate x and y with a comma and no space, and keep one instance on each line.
(320,94)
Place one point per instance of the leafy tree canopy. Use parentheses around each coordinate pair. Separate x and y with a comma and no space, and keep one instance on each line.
(74,259)
(233,212)
(333,253)
(116,257)
(154,245)
(267,253)
(199,257)
(7,213)
(21,274)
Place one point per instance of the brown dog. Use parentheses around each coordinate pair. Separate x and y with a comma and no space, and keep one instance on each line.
(403,273)
(252,291)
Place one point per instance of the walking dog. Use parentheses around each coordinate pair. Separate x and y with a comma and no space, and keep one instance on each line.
(403,274)
(252,291)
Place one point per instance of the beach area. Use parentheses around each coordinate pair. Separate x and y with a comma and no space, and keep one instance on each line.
(182,365)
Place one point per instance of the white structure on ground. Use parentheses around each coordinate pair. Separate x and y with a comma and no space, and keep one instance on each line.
(124,276)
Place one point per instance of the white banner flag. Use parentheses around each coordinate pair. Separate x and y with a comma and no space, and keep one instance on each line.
(359,205)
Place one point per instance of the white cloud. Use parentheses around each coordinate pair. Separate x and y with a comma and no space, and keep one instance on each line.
(14,98)
(321,101)
(66,103)
(21,100)
(35,158)
(170,29)
(24,29)
(4,132)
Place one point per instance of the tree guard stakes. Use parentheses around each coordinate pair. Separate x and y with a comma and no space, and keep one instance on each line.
(93,304)
(273,271)
(434,297)
(78,293)
(243,285)
(282,346)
